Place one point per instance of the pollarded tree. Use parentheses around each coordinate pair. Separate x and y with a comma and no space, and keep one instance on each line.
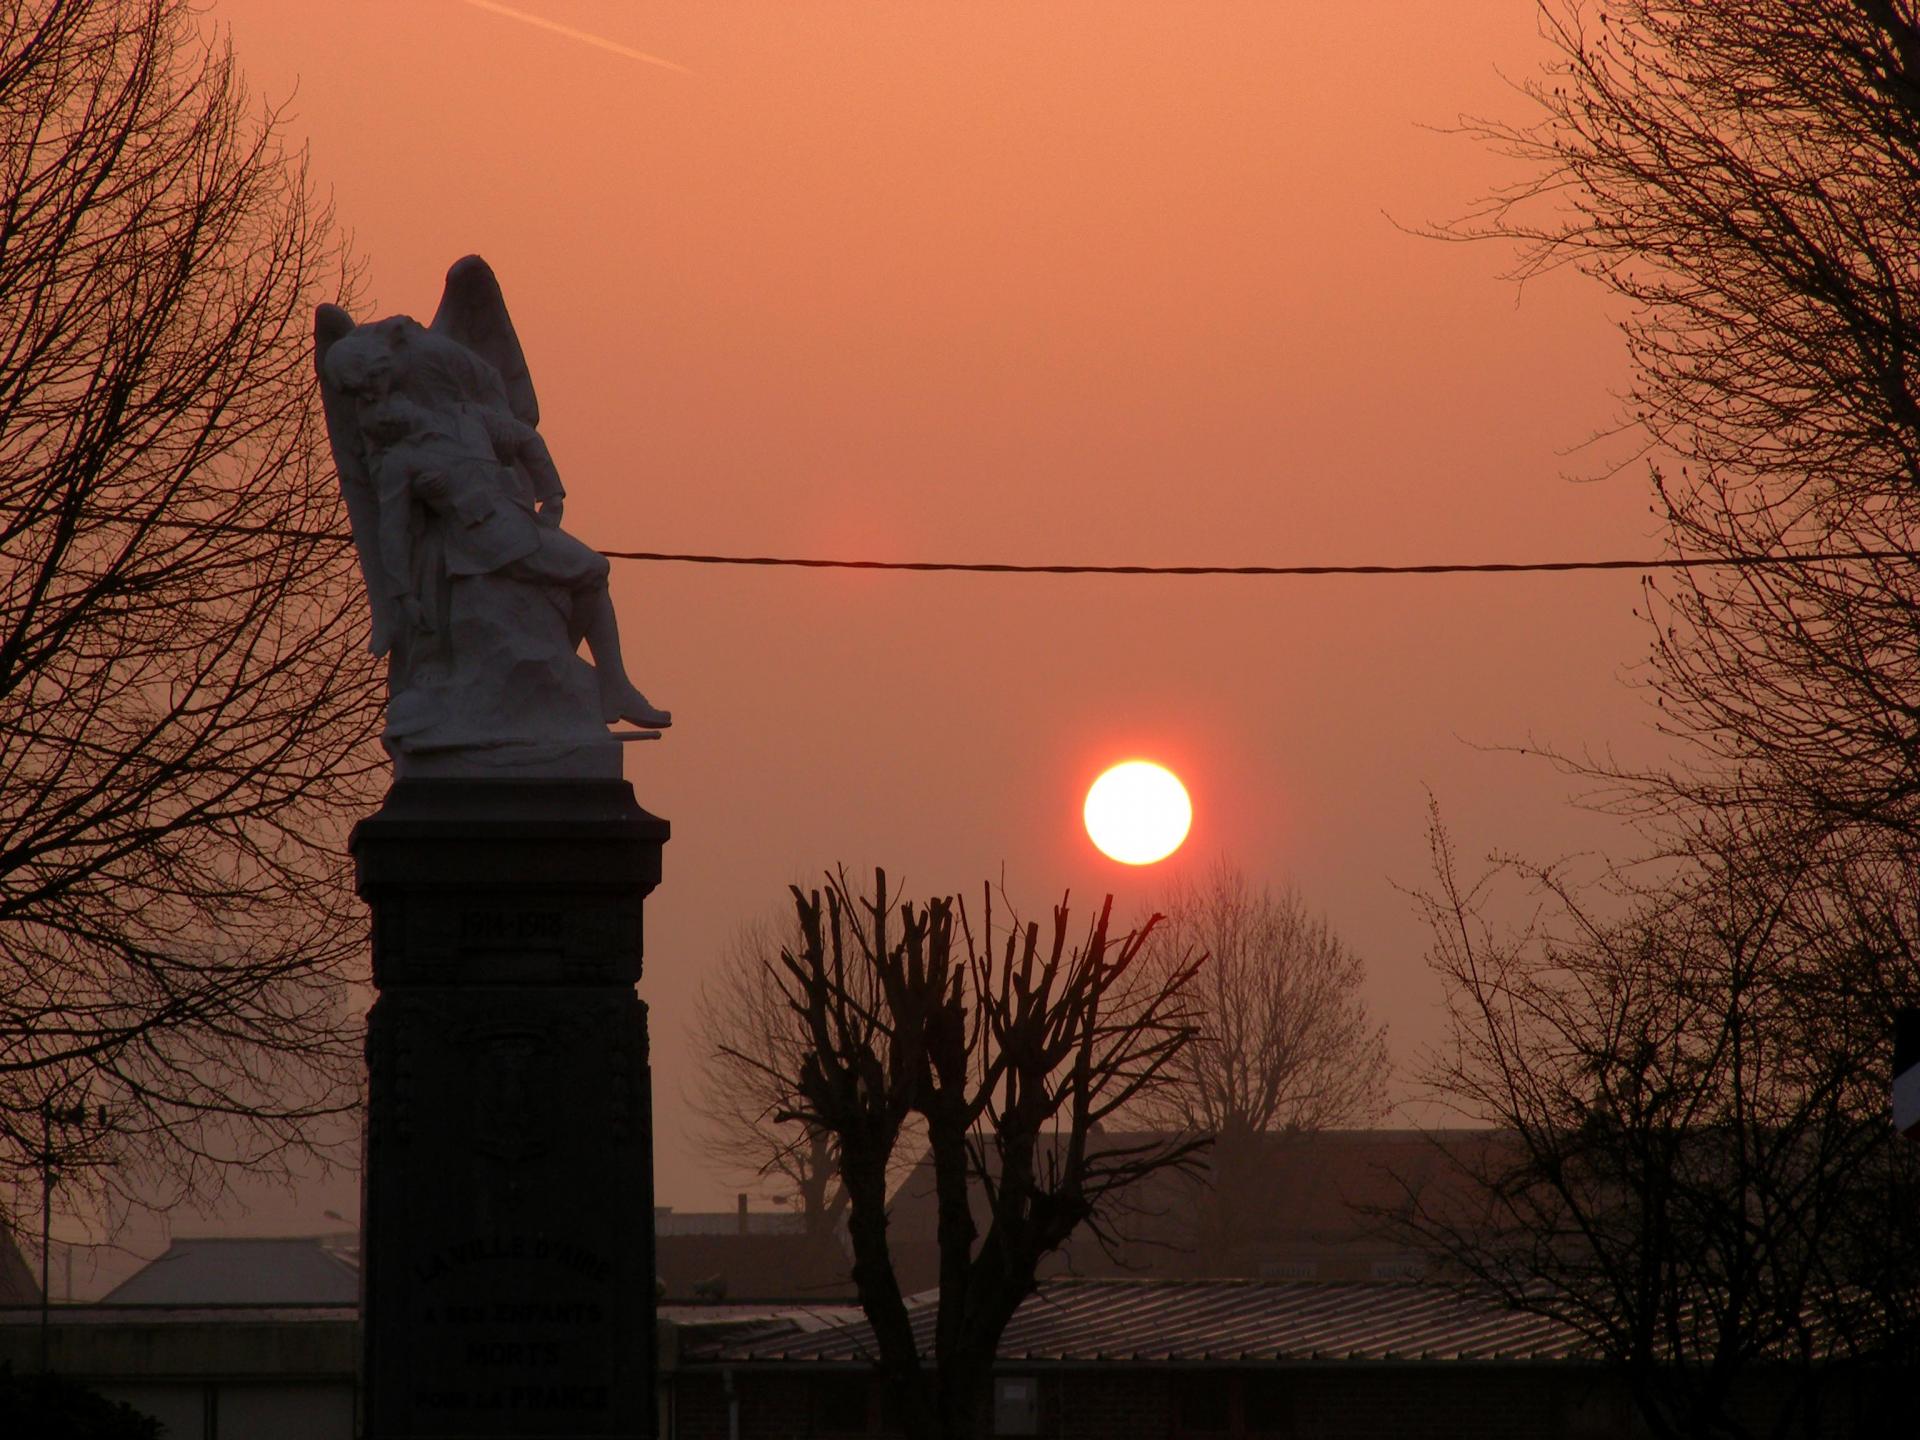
(1012,1058)
(747,1050)
(187,710)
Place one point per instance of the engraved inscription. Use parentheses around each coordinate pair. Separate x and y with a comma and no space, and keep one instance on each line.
(538,1355)
(512,929)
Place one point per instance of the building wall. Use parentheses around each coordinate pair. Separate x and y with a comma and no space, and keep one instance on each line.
(242,1410)
(752,1267)
(1349,1402)
(19,1283)
(1339,1401)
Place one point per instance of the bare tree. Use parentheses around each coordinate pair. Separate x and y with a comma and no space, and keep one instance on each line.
(187,711)
(1285,1046)
(1694,1085)
(1012,1059)
(748,1049)
(1691,1163)
(1742,178)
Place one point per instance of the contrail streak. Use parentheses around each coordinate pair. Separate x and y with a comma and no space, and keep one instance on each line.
(599,42)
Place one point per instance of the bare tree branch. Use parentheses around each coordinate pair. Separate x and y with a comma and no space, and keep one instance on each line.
(748,1051)
(1287,1045)
(1691,1163)
(1690,1074)
(1742,177)
(186,709)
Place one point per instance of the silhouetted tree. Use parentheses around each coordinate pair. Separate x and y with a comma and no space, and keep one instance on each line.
(1011,1058)
(1285,1045)
(1695,1087)
(187,710)
(1692,1164)
(1742,178)
(747,1048)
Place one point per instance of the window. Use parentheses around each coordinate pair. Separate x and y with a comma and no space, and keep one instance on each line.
(1016,1405)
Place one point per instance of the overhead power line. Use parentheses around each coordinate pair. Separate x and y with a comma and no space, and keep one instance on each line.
(1497,567)
(1001,567)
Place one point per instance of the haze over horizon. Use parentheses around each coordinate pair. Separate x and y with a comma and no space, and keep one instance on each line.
(1115,283)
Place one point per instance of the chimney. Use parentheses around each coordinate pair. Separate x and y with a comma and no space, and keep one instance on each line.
(743,1213)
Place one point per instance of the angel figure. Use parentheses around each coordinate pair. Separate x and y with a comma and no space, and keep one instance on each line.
(479,599)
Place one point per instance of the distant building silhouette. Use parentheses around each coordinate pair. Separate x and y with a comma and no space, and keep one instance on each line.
(1311,1206)
(747,1255)
(17,1283)
(222,1270)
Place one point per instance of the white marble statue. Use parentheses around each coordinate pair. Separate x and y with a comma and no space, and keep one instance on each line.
(479,599)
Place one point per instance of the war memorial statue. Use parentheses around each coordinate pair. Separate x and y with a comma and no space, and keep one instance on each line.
(480,600)
(507,1219)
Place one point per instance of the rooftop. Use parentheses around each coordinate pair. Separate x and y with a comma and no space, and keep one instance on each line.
(1191,1322)
(221,1270)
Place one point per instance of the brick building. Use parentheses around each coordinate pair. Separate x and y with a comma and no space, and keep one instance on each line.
(1314,1206)
(1284,1207)
(744,1254)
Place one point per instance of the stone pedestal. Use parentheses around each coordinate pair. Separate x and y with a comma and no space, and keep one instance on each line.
(507,1226)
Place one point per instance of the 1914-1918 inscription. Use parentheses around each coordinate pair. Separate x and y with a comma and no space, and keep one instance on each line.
(512,929)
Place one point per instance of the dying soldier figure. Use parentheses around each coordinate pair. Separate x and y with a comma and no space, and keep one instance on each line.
(450,485)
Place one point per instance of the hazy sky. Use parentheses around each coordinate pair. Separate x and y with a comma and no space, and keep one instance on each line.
(1091,282)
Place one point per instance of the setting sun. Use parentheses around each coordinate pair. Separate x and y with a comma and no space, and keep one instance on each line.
(1138,812)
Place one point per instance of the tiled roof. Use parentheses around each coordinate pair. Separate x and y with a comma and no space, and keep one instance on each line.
(1199,1322)
(221,1270)
(751,1317)
(134,1315)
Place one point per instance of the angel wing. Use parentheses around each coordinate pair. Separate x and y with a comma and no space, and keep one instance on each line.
(473,312)
(331,323)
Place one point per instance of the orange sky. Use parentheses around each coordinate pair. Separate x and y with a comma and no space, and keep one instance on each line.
(1097,282)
